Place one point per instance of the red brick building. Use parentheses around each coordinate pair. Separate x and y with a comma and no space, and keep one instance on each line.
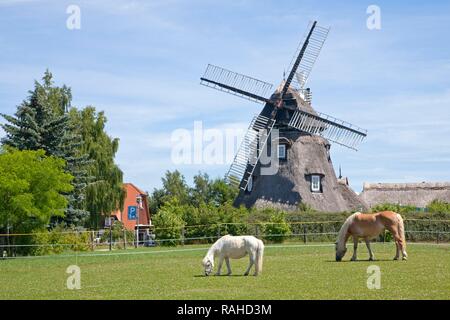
(132,213)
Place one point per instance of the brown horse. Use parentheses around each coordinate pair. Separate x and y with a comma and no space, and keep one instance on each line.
(369,226)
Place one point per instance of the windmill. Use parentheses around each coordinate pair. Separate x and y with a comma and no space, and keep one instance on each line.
(289,110)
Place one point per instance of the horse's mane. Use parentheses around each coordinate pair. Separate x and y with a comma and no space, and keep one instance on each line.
(344,228)
(212,250)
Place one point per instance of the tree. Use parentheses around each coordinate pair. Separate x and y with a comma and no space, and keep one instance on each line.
(216,192)
(205,191)
(31,187)
(39,122)
(174,187)
(42,122)
(221,192)
(202,189)
(104,193)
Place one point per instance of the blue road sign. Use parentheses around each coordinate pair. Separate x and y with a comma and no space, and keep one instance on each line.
(132,212)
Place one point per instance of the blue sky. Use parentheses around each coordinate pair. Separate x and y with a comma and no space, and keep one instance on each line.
(140,62)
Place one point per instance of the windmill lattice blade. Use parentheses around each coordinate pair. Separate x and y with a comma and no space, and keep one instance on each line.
(330,128)
(249,152)
(236,84)
(309,56)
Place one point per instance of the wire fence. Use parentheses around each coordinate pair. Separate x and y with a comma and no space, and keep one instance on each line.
(57,242)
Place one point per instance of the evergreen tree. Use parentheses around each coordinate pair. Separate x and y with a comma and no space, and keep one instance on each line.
(39,121)
(77,163)
(42,122)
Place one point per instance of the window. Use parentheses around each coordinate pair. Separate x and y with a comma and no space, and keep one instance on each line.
(315,183)
(281,151)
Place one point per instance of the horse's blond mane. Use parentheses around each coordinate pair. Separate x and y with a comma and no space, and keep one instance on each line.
(344,229)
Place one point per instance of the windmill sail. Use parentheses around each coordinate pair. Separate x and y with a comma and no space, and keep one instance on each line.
(306,55)
(283,107)
(330,128)
(236,84)
(249,152)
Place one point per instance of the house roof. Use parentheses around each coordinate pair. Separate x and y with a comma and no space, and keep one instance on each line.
(414,194)
(133,186)
(350,196)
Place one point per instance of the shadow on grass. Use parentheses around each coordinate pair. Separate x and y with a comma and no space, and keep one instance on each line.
(222,275)
(365,260)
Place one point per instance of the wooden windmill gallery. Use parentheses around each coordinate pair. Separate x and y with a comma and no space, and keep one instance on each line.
(293,135)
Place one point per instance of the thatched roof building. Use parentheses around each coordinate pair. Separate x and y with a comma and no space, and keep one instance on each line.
(413,194)
(306,157)
(305,173)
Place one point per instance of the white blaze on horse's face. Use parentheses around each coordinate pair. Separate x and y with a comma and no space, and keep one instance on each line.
(208,265)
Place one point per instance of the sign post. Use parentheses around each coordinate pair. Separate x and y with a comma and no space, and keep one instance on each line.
(139,204)
(132,215)
(108,223)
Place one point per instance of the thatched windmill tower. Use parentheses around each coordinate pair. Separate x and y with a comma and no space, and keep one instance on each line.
(299,168)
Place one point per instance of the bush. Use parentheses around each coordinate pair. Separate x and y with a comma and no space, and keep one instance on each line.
(393,207)
(277,229)
(201,221)
(234,220)
(207,220)
(438,206)
(169,225)
(59,240)
(306,208)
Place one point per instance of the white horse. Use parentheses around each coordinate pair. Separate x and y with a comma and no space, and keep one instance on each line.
(235,247)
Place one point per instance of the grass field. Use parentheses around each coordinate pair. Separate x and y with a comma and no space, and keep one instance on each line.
(290,272)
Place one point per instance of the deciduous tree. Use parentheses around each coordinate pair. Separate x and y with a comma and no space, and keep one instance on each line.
(31,187)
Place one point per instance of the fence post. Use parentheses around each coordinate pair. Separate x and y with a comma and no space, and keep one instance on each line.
(124,238)
(304,234)
(437,237)
(218,230)
(74,246)
(93,240)
(110,235)
(182,236)
(8,242)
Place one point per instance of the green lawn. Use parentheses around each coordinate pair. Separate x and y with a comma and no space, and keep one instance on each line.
(294,272)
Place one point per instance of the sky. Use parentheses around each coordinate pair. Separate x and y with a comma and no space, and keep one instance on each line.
(140,62)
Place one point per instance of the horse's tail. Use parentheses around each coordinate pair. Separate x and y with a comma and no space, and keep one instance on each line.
(259,257)
(401,229)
